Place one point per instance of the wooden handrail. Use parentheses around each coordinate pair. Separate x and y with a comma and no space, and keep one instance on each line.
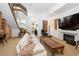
(13,14)
(21,11)
(20,5)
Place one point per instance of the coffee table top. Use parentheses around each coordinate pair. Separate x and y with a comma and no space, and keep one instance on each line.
(52,43)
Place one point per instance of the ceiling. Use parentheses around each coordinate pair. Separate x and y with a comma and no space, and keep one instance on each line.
(65,8)
(39,7)
(49,8)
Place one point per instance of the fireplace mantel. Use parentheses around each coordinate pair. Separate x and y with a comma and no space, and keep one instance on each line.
(69,32)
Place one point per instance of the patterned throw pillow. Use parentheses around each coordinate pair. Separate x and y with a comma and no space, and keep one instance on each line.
(27,50)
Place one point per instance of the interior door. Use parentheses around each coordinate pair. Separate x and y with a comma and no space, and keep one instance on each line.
(45,25)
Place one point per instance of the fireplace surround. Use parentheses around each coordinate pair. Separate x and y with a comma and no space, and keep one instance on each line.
(69,39)
(70,36)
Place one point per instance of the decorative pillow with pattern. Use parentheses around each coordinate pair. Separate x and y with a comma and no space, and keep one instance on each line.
(27,50)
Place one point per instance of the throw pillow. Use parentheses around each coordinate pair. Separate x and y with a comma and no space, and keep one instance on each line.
(27,50)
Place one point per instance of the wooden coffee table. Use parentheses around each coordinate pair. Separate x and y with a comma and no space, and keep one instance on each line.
(54,45)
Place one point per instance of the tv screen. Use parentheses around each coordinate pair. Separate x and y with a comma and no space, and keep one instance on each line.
(69,22)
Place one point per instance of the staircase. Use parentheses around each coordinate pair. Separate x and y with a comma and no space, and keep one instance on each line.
(7,15)
(16,7)
(8,11)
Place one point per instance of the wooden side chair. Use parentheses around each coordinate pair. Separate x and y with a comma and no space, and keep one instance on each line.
(4,38)
(1,40)
(77,44)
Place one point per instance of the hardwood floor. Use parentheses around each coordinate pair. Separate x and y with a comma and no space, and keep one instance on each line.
(9,49)
(69,50)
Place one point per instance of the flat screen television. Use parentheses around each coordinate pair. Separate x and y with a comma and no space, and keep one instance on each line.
(69,22)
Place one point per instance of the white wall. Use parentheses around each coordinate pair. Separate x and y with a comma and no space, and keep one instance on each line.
(15,32)
(39,20)
(36,19)
(6,12)
(7,15)
(57,33)
(53,32)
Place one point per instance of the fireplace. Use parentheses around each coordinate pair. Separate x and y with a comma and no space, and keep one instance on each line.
(70,39)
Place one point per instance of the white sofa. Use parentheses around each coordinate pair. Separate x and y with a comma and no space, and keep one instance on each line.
(38,50)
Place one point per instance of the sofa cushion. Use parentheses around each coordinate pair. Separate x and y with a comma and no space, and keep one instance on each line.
(35,39)
(25,41)
(24,50)
(37,52)
(27,50)
(32,36)
(38,49)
